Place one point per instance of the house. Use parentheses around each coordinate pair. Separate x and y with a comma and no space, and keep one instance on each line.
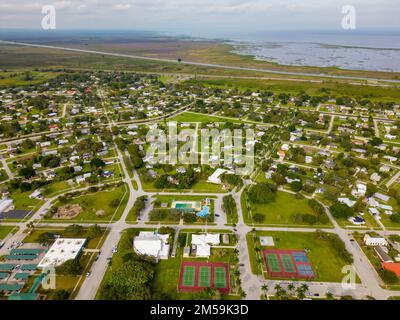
(382,254)
(152,244)
(357,220)
(201,243)
(215,177)
(360,191)
(347,201)
(394,267)
(381,197)
(374,211)
(375,177)
(281,154)
(6,205)
(374,241)
(36,195)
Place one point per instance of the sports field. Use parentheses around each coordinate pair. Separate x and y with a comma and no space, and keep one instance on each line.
(195,276)
(288,264)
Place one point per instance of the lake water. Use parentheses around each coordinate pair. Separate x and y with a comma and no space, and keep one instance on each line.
(378,51)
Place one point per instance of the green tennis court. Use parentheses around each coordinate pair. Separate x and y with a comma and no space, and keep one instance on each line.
(287,263)
(204,276)
(219,277)
(188,276)
(273,262)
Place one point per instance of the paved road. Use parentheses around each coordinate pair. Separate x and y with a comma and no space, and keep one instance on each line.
(6,168)
(211,65)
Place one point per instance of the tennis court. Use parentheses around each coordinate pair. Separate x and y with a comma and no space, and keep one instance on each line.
(204,276)
(219,277)
(273,262)
(196,276)
(293,264)
(188,276)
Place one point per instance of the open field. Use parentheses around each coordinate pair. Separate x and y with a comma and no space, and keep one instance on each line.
(4,231)
(315,88)
(282,211)
(34,236)
(99,206)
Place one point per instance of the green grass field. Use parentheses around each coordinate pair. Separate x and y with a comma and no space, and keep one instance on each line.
(279,212)
(93,243)
(92,203)
(5,230)
(326,263)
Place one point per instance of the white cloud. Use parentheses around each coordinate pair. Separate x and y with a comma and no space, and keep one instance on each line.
(184,14)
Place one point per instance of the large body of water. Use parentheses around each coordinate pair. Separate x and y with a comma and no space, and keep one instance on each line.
(377,51)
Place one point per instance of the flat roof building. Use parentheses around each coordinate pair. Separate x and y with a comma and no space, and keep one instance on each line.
(62,250)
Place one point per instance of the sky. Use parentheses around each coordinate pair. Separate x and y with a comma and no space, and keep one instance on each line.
(200,17)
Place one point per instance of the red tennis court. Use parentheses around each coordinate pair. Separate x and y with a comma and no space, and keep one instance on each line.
(195,276)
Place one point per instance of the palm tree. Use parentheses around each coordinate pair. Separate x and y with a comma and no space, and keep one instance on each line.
(300,293)
(291,287)
(329,296)
(305,287)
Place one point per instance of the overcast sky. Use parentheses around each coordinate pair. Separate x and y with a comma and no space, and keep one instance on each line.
(200,16)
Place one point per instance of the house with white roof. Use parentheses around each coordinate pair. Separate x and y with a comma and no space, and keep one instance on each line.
(152,244)
(374,241)
(215,177)
(202,243)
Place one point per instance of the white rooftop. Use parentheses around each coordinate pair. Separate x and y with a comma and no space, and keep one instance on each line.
(62,250)
(152,244)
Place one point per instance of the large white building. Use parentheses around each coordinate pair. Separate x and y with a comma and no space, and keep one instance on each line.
(6,204)
(375,241)
(62,250)
(152,244)
(202,243)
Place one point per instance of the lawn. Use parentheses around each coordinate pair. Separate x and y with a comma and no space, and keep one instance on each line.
(93,243)
(92,203)
(201,186)
(4,231)
(22,201)
(279,212)
(189,116)
(327,264)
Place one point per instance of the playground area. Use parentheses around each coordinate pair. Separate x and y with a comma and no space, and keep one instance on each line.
(195,276)
(293,264)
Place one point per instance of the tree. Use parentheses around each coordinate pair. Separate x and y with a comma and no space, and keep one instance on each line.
(375,141)
(296,186)
(330,296)
(97,163)
(61,294)
(71,267)
(395,218)
(341,210)
(130,281)
(258,218)
(74,229)
(27,172)
(262,193)
(93,232)
(389,276)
